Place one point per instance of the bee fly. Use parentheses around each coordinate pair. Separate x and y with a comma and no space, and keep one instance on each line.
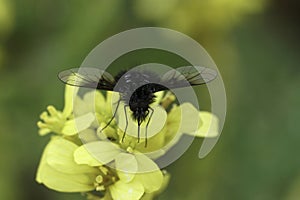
(137,88)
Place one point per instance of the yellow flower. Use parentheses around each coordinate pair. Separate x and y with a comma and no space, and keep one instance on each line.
(102,165)
(61,169)
(64,122)
(129,184)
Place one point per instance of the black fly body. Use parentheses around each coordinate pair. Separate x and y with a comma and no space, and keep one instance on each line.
(137,88)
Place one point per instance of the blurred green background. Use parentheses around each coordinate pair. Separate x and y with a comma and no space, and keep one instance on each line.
(254,43)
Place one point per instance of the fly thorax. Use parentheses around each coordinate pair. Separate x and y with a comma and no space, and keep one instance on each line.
(137,88)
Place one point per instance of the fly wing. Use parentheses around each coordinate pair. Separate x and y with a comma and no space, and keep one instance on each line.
(88,77)
(187,76)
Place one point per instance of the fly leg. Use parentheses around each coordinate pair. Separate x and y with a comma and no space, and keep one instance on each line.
(126,122)
(114,115)
(139,127)
(152,111)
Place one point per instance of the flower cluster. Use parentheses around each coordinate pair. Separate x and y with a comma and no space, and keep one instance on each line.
(83,156)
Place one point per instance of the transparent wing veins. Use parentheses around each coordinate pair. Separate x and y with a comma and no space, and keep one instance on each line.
(88,77)
(188,75)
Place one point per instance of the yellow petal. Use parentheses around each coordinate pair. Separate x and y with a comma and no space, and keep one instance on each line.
(111,100)
(126,166)
(145,164)
(78,124)
(70,92)
(44,131)
(102,151)
(173,123)
(88,135)
(100,102)
(79,106)
(63,182)
(189,118)
(85,105)
(126,191)
(82,156)
(59,155)
(166,179)
(152,181)
(155,145)
(125,177)
(63,174)
(209,125)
